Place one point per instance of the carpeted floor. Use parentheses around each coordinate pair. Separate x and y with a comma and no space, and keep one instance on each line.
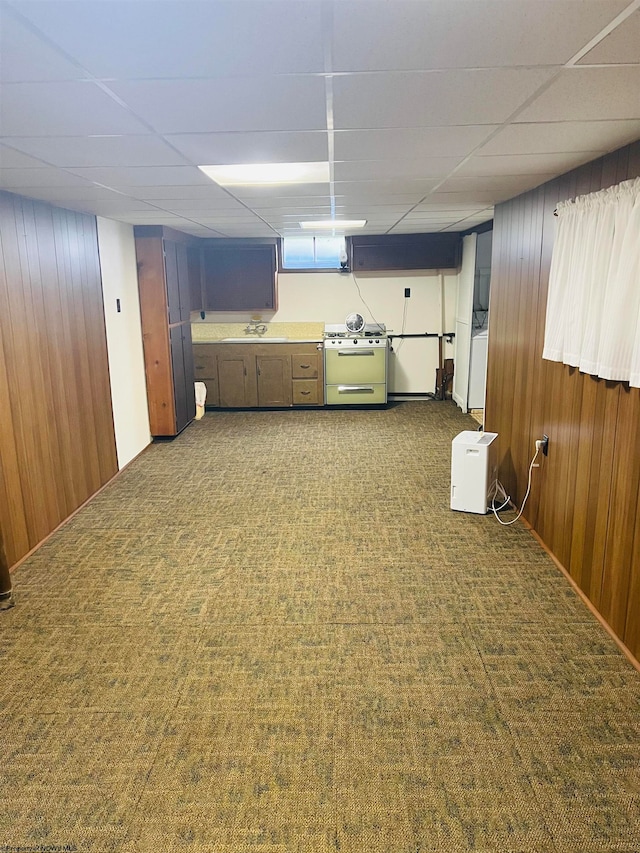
(271,635)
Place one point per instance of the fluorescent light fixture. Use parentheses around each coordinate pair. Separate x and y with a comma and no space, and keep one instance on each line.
(268,173)
(332,224)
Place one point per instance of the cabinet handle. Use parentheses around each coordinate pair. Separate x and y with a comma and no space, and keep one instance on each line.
(305,393)
(305,366)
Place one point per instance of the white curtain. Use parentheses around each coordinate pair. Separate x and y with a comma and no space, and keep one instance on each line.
(593,306)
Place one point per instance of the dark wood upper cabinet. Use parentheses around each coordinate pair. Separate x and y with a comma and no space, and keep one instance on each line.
(239,278)
(194,264)
(405,252)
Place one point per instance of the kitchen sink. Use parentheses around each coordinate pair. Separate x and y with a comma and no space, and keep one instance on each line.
(249,340)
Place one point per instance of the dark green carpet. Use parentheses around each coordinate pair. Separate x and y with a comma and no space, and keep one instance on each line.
(271,635)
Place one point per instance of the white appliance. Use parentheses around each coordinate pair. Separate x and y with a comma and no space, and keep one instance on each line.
(478,370)
(470,455)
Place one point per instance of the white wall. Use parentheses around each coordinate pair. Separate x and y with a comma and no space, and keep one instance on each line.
(124,338)
(329,297)
(464,313)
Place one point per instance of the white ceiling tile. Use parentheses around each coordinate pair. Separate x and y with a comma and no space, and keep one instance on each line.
(192,191)
(412,152)
(497,188)
(285,203)
(409,143)
(622,45)
(373,170)
(487,96)
(184,39)
(463,196)
(553,137)
(94,151)
(370,195)
(294,212)
(112,207)
(11,159)
(22,178)
(227,104)
(236,216)
(211,149)
(385,188)
(380,35)
(64,195)
(588,94)
(144,176)
(26,57)
(216,203)
(518,164)
(62,109)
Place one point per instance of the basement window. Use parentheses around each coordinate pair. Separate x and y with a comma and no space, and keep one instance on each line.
(312,253)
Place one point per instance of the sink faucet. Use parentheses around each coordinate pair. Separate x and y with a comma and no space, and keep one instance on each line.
(254,327)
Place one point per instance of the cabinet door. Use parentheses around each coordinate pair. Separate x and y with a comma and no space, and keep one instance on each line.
(240,279)
(235,380)
(405,251)
(182,367)
(177,281)
(171,280)
(194,263)
(205,369)
(274,380)
(184,289)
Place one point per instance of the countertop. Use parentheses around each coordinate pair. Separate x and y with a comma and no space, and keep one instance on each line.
(277,333)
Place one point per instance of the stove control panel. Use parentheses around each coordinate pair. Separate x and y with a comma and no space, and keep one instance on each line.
(354,342)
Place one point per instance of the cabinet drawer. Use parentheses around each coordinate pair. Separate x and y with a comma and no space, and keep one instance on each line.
(304,366)
(306,392)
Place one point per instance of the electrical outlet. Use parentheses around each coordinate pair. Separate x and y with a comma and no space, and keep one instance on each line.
(545,445)
(407,292)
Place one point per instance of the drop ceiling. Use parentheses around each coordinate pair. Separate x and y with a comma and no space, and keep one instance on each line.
(429,112)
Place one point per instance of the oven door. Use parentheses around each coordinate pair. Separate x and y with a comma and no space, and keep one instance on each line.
(355,365)
(356,395)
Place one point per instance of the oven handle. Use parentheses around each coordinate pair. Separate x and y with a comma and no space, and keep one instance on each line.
(355,352)
(355,389)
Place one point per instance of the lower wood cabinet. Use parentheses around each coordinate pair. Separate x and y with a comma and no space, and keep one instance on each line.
(260,375)
(236,383)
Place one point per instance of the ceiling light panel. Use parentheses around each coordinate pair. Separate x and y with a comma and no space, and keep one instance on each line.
(260,147)
(251,174)
(333,224)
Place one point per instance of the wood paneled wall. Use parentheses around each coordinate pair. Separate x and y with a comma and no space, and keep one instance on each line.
(57,444)
(584,501)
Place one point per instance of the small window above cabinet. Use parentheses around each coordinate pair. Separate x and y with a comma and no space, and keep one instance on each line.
(239,278)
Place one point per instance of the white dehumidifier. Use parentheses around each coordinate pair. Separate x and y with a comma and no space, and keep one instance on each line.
(470,470)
